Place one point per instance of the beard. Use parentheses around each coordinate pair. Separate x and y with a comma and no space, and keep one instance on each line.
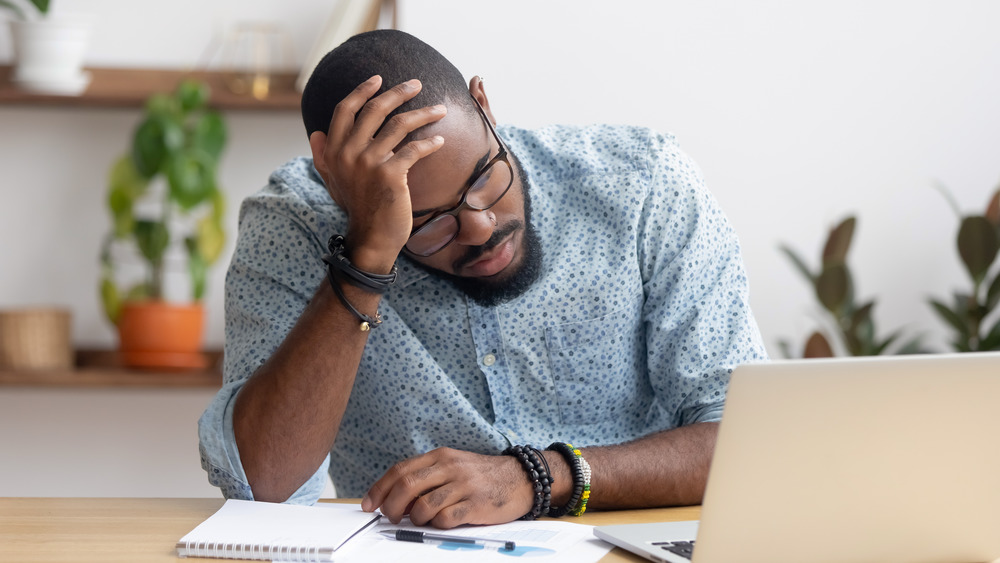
(501,288)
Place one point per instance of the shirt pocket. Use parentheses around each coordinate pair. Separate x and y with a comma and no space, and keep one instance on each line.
(598,366)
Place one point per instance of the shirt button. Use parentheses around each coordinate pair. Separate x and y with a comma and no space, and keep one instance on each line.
(489,360)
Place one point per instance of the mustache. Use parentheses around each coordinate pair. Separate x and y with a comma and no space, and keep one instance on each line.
(476,252)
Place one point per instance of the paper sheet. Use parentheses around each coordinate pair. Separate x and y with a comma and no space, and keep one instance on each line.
(545,540)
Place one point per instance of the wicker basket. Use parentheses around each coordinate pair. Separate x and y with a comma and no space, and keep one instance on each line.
(35,339)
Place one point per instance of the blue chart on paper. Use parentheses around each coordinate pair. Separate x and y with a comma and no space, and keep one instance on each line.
(521,538)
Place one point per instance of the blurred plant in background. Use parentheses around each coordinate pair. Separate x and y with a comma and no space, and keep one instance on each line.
(852,327)
(179,142)
(978,244)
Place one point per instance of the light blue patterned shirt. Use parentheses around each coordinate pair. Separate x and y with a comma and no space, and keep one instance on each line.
(634,325)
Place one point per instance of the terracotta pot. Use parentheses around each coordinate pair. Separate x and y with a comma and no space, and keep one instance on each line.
(156,334)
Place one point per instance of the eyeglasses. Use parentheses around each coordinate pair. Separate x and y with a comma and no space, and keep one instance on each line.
(485,190)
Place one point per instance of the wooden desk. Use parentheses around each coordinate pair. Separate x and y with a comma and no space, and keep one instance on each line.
(138,530)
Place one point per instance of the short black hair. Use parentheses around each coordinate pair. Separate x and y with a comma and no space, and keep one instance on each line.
(397,57)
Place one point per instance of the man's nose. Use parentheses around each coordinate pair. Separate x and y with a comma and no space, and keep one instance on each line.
(475,227)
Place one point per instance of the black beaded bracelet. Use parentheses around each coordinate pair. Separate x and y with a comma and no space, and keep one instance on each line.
(336,261)
(576,471)
(537,469)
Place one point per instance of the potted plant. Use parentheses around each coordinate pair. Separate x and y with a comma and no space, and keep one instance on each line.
(850,324)
(48,50)
(163,197)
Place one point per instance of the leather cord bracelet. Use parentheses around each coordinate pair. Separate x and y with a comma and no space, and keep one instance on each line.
(338,266)
(367,323)
(337,261)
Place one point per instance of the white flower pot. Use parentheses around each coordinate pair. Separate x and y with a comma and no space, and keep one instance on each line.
(49,54)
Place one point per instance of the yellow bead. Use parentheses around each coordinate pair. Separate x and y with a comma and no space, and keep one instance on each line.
(364,326)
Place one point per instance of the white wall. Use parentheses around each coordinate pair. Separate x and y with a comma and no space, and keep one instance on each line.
(799,113)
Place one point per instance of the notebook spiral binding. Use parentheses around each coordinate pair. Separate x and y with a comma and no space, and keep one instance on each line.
(255,551)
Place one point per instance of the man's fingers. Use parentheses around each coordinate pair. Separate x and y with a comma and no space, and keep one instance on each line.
(400,125)
(380,490)
(455,515)
(432,503)
(410,487)
(346,111)
(413,151)
(373,114)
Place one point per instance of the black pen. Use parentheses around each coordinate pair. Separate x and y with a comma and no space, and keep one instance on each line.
(426,537)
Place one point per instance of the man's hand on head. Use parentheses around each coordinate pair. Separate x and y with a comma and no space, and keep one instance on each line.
(447,488)
(366,174)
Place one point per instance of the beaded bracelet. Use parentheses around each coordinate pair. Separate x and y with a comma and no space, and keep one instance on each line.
(575,471)
(537,469)
(580,470)
(582,507)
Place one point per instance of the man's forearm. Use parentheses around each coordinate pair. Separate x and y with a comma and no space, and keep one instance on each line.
(287,415)
(669,468)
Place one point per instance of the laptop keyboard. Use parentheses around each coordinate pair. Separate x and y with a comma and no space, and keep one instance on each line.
(682,548)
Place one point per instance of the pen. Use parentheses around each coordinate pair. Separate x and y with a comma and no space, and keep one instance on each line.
(426,537)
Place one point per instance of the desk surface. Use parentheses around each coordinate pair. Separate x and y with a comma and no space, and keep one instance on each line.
(139,530)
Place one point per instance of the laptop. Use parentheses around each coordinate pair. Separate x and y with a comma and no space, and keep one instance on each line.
(851,460)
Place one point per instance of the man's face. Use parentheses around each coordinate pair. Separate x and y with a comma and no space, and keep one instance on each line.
(495,255)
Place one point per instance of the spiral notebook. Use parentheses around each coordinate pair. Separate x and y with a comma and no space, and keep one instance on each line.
(244,529)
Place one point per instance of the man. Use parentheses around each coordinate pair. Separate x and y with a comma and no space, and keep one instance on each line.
(570,285)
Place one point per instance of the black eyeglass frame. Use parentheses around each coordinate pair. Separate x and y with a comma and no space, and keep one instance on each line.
(464,204)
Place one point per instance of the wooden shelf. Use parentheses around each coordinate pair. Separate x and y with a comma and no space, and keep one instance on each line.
(131,87)
(102,368)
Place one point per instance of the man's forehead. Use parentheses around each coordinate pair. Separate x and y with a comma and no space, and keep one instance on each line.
(447,170)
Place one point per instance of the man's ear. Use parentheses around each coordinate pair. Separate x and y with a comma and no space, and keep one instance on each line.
(478,91)
(317,144)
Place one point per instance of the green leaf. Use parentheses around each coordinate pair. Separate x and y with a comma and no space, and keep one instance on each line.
(209,134)
(865,337)
(992,339)
(799,264)
(879,347)
(191,178)
(198,269)
(978,244)
(42,5)
(839,242)
(18,12)
(832,286)
(152,238)
(993,294)
(192,94)
(817,347)
(154,140)
(125,186)
(949,198)
(163,105)
(913,346)
(110,299)
(786,349)
(862,314)
(210,239)
(952,318)
(218,205)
